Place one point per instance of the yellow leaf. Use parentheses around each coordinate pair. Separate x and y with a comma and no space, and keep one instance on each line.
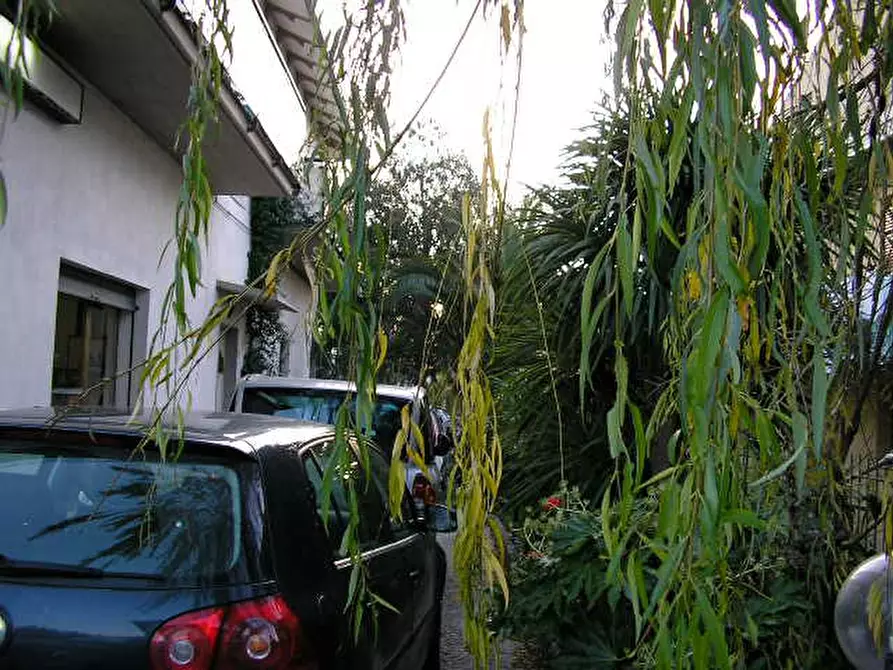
(693,285)
(382,349)
(744,304)
(271,279)
(506,23)
(495,571)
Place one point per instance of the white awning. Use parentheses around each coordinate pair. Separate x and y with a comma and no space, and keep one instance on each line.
(272,304)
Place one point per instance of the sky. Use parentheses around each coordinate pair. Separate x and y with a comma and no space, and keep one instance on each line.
(260,77)
(563,77)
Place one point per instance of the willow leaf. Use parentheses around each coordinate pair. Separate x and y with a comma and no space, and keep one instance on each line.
(819,400)
(814,258)
(625,266)
(781,469)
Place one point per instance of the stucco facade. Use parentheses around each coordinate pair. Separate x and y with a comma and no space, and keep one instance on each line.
(96,200)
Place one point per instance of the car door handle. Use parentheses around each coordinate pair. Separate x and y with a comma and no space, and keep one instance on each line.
(415,574)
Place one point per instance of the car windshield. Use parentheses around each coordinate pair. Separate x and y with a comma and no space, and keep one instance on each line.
(193,521)
(322,406)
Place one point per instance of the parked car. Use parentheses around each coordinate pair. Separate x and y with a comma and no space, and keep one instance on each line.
(449,427)
(219,558)
(319,400)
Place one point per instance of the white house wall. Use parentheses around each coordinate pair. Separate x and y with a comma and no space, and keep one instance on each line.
(231,237)
(101,195)
(296,291)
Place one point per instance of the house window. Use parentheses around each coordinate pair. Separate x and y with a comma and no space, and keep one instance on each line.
(94,334)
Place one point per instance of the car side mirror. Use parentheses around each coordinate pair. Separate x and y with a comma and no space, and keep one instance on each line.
(441,519)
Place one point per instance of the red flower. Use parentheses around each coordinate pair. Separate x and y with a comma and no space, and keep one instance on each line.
(553,502)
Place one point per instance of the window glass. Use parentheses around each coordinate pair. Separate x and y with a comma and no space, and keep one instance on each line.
(374,527)
(193,521)
(86,351)
(380,473)
(322,406)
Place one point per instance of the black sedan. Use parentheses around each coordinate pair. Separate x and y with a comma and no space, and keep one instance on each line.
(213,556)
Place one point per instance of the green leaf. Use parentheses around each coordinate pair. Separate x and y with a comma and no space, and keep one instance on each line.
(748,178)
(589,319)
(666,573)
(615,435)
(747,64)
(3,199)
(617,413)
(765,435)
(724,101)
(869,25)
(819,400)
(757,9)
(625,266)
(787,12)
(668,516)
(353,584)
(587,339)
(715,631)
(743,517)
(781,469)
(722,252)
(635,596)
(701,370)
(381,601)
(641,443)
(678,141)
(814,258)
(626,34)
(711,492)
(832,100)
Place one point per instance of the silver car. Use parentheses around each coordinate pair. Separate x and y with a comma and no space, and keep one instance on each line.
(319,400)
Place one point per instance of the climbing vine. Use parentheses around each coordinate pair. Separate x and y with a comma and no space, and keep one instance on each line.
(273,220)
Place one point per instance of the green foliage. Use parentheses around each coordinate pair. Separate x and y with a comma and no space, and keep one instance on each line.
(196,195)
(349,266)
(561,598)
(565,599)
(566,596)
(266,336)
(478,455)
(416,203)
(274,221)
(176,351)
(555,251)
(765,298)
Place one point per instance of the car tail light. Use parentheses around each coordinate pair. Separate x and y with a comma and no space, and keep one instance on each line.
(423,491)
(187,642)
(263,634)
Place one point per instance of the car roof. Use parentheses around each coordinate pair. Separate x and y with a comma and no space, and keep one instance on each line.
(247,433)
(386,390)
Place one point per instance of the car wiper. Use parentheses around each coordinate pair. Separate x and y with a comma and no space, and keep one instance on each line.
(9,566)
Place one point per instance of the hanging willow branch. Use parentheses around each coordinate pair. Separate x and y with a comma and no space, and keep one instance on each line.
(789,160)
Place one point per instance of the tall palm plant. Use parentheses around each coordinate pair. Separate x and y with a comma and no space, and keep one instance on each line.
(554,241)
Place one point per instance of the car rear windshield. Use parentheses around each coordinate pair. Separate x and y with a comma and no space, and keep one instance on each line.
(322,406)
(67,501)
